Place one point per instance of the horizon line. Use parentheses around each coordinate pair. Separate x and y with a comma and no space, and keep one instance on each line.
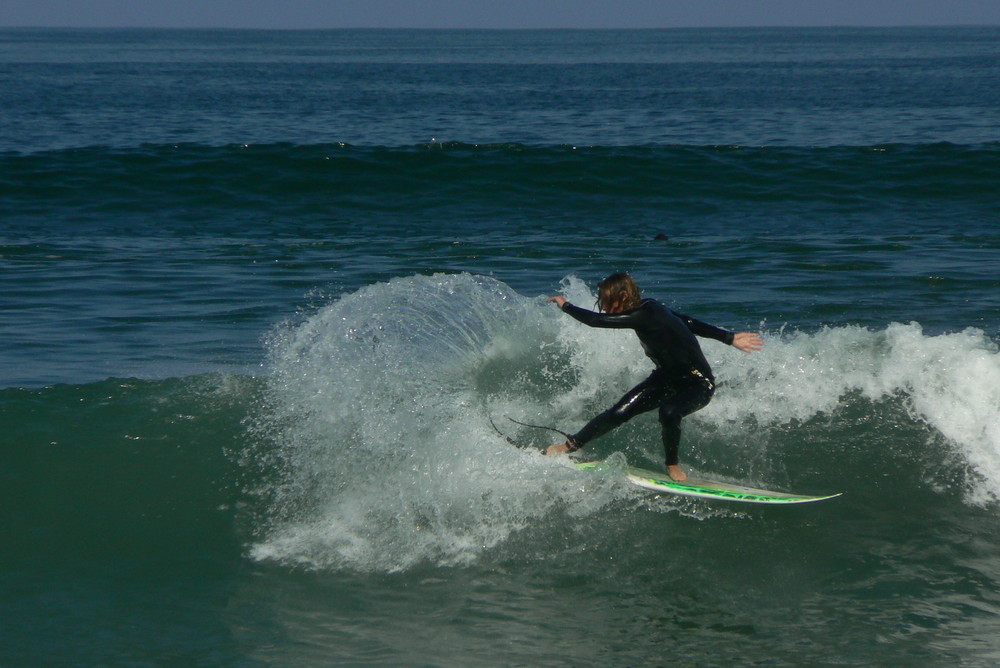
(505,29)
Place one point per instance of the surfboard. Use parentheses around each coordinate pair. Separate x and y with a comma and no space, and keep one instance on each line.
(659,481)
(702,487)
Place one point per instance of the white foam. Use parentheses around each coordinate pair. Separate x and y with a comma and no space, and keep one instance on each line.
(949,381)
(380,404)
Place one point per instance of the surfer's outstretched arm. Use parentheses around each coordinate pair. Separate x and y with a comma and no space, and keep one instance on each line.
(748,342)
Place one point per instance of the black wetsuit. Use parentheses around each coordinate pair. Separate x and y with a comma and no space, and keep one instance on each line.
(682,382)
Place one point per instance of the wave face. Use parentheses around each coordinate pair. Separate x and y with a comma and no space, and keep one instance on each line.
(361,478)
(122,470)
(371,446)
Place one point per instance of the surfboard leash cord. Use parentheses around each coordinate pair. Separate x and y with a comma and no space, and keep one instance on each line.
(569,439)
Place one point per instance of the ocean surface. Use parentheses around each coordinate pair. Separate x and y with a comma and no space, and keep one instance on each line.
(262,293)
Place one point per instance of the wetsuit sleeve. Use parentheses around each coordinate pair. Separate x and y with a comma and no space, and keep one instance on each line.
(627,320)
(707,331)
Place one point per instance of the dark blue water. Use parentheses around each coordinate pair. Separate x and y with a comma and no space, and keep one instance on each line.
(261,293)
(809,87)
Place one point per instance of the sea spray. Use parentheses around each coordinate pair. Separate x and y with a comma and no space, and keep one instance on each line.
(380,410)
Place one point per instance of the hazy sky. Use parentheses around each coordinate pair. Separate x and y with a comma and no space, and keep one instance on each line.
(494,13)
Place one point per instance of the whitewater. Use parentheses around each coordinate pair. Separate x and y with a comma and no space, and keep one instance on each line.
(384,423)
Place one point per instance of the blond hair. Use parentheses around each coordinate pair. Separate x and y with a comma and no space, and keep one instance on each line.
(618,288)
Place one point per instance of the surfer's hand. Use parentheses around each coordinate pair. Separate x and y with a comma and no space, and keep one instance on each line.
(748,341)
(558,299)
(559,449)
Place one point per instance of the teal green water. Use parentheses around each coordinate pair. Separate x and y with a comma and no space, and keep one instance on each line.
(262,293)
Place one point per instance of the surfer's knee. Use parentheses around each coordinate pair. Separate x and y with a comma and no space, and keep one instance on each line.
(670,415)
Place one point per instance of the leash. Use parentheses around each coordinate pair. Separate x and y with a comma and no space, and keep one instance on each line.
(569,439)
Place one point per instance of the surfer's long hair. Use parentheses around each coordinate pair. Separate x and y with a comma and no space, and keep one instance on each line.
(618,288)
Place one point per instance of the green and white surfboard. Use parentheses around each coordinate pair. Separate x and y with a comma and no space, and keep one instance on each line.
(702,487)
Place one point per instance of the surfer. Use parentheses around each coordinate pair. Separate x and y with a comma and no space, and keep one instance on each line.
(682,381)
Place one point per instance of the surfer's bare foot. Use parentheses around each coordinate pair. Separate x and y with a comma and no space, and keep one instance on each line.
(675,472)
(557,449)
